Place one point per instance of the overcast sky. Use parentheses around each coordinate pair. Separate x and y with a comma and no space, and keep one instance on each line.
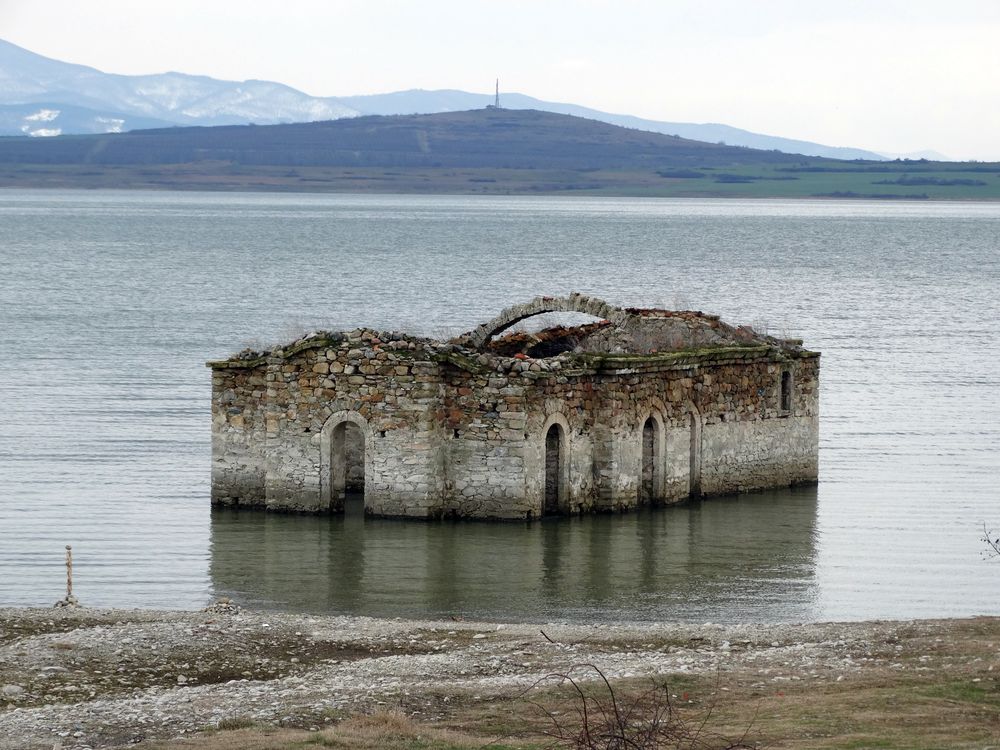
(886,75)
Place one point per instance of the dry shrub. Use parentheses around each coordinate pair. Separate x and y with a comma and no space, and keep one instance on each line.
(605,720)
(992,540)
(230,723)
(381,731)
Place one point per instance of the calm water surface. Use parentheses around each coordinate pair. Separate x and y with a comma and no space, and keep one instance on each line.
(111,302)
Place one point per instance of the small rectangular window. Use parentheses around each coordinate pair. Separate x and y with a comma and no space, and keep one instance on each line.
(786,391)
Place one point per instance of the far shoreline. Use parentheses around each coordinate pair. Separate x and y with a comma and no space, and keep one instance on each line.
(755,184)
(195,189)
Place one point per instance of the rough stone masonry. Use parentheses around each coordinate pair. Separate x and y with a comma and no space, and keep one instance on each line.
(641,407)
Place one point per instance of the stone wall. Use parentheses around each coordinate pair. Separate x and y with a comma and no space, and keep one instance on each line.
(389,393)
(744,439)
(450,430)
(238,435)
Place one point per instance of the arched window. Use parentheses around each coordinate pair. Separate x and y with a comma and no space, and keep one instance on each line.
(649,479)
(694,459)
(554,469)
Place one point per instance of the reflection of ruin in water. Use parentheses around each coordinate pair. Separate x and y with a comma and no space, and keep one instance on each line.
(746,557)
(354,506)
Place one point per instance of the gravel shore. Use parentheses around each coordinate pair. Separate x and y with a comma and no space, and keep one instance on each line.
(82,678)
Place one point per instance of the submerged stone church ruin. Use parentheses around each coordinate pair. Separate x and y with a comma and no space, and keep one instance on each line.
(640,407)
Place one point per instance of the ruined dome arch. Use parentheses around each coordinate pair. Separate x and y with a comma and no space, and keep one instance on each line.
(577,303)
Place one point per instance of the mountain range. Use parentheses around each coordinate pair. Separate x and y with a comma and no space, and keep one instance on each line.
(40,96)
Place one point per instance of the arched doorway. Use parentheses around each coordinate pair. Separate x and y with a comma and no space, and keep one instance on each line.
(347,467)
(649,474)
(344,465)
(555,459)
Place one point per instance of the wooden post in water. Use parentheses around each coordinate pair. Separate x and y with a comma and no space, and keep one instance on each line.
(69,573)
(70,600)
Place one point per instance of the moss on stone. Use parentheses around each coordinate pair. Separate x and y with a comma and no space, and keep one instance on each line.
(463,362)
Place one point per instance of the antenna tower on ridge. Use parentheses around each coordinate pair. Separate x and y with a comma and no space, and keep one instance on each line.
(496,99)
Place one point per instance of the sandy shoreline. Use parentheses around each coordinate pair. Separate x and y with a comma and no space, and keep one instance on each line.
(81,678)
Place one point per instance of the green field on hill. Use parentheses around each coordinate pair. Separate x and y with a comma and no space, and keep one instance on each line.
(751,181)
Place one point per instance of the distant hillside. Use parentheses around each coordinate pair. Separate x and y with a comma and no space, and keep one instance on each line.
(44,97)
(484,138)
(491,151)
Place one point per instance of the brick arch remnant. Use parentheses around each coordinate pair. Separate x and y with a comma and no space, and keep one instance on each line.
(478,337)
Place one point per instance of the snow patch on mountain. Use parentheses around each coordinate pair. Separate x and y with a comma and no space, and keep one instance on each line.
(43,115)
(114,124)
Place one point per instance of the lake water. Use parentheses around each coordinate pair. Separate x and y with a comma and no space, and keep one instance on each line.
(110,303)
